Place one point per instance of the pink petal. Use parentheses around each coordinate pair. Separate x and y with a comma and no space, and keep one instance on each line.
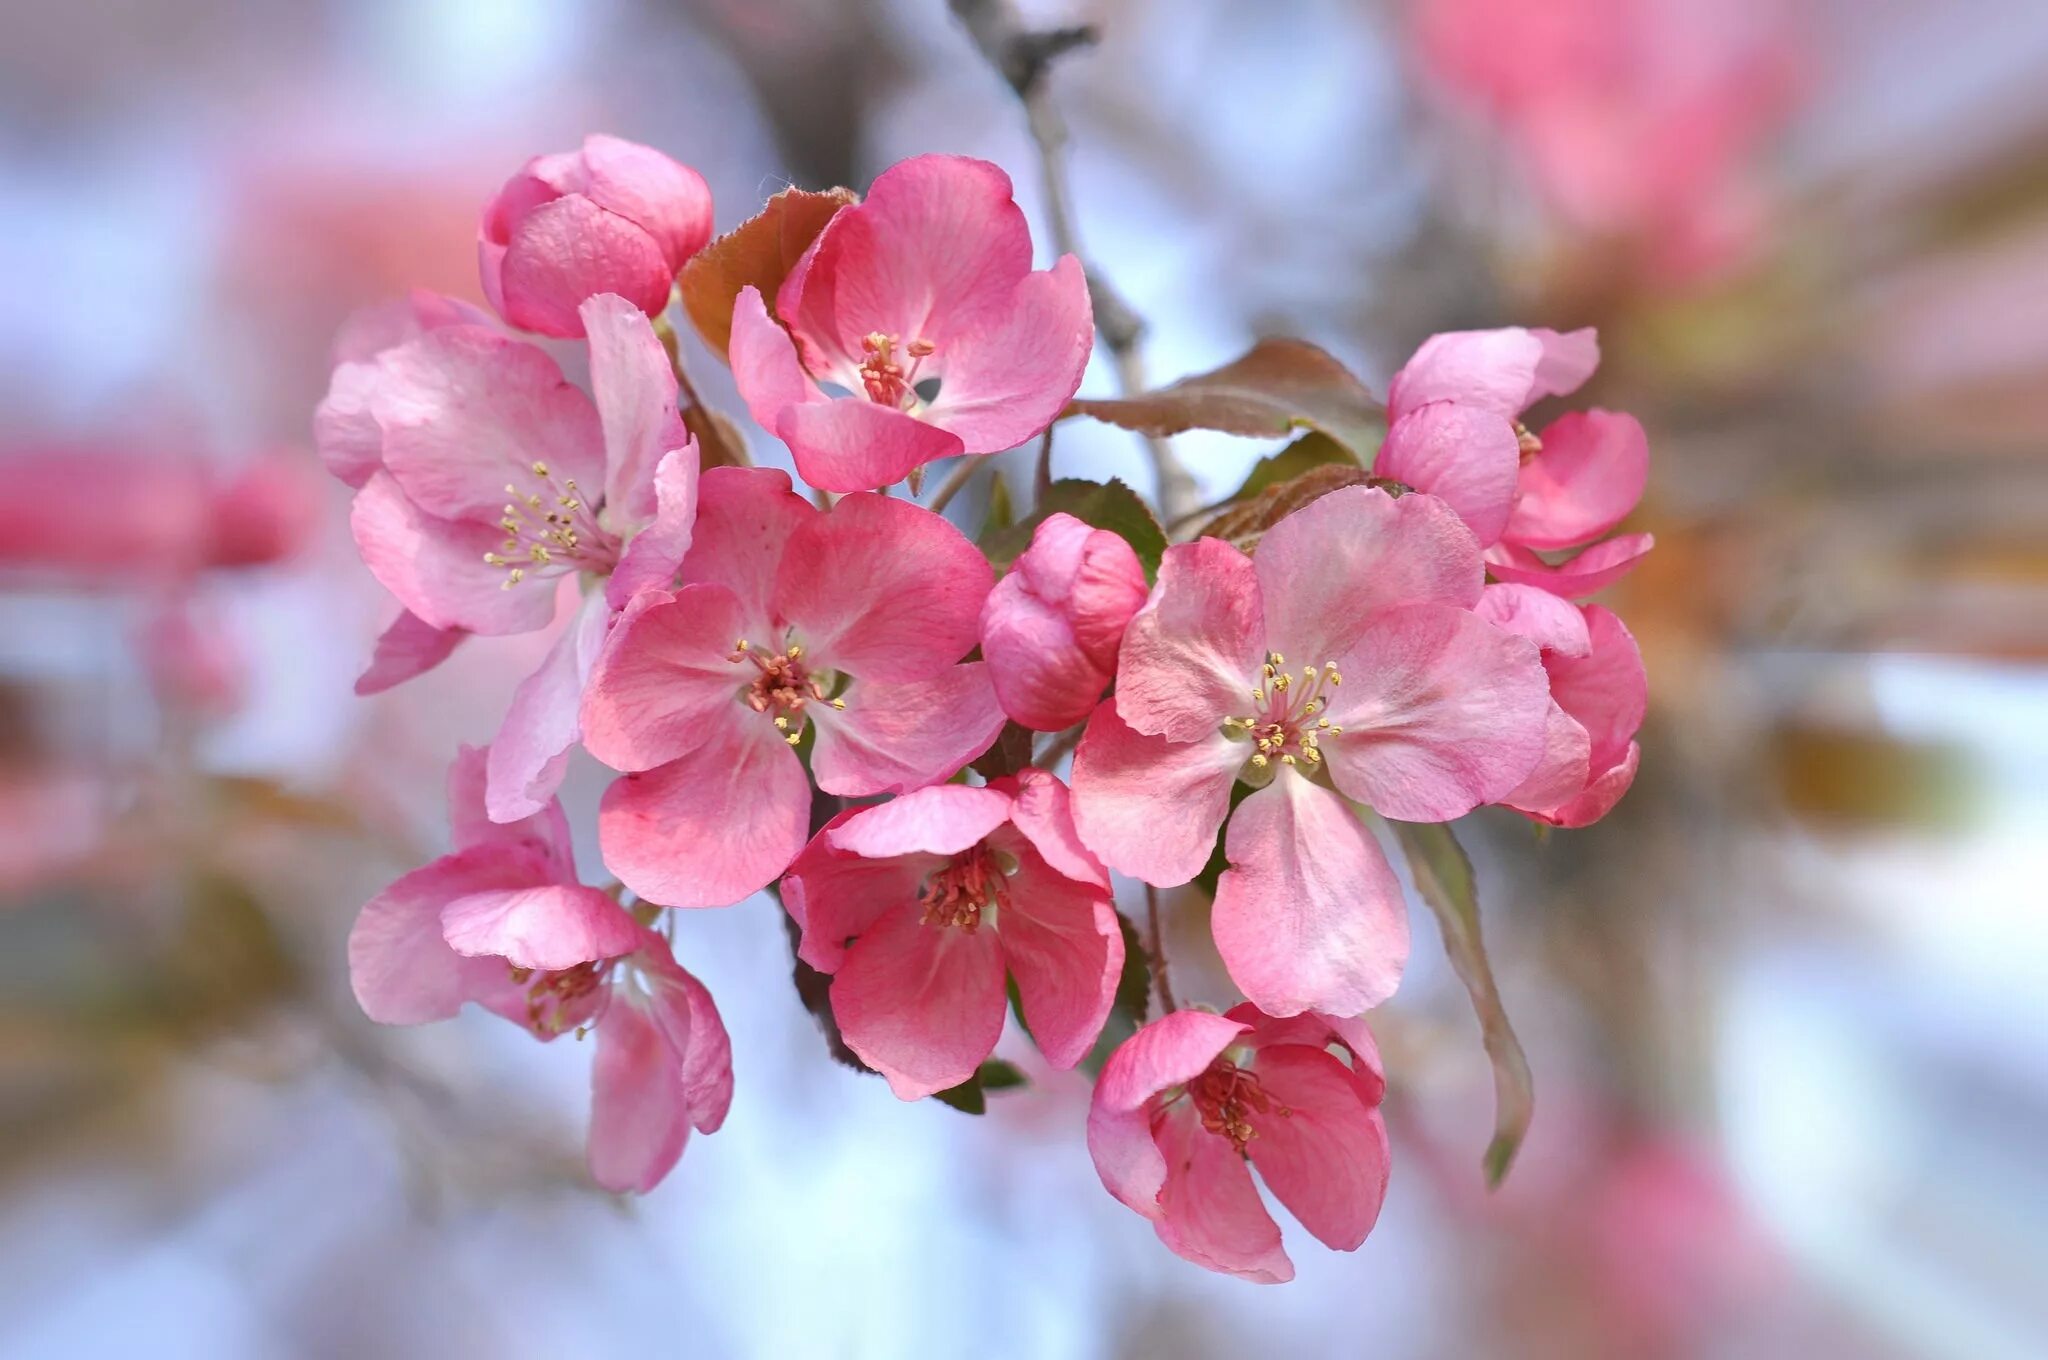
(666,678)
(688,1018)
(1608,690)
(923,1005)
(1465,456)
(1561,772)
(436,567)
(1001,383)
(764,362)
(548,928)
(1063,945)
(1170,1051)
(655,553)
(1569,358)
(837,896)
(563,252)
(882,589)
(369,331)
(935,251)
(639,1113)
(1554,624)
(1191,656)
(399,963)
(1440,710)
(1209,1210)
(1495,371)
(943,820)
(635,390)
(1043,811)
(713,827)
(545,834)
(345,433)
(410,646)
(1587,479)
(894,738)
(853,444)
(1326,1158)
(541,727)
(1599,796)
(1051,628)
(744,517)
(668,199)
(465,411)
(1331,567)
(1148,806)
(1592,571)
(1309,916)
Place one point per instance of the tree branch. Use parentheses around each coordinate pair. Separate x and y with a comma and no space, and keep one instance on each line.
(1022,56)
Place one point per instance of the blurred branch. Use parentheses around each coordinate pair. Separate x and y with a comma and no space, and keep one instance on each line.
(1022,56)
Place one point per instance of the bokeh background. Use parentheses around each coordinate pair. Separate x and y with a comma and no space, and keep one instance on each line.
(1785,1006)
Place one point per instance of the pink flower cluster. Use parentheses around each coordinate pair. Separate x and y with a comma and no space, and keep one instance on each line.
(793,689)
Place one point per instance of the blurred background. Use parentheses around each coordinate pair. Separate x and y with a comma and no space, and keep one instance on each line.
(1784,1006)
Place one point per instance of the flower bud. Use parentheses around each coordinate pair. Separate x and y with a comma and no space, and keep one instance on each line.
(1051,627)
(615,217)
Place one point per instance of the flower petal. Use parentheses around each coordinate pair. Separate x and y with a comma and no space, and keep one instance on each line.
(853,444)
(410,646)
(666,678)
(549,928)
(1561,772)
(894,738)
(1440,710)
(1600,795)
(664,197)
(1209,1210)
(541,727)
(1149,806)
(764,362)
(1493,370)
(1589,476)
(923,1005)
(744,517)
(883,589)
(1464,456)
(713,827)
(563,252)
(436,567)
(836,896)
(399,962)
(1569,358)
(1168,1052)
(1326,1158)
(635,390)
(1555,625)
(639,1114)
(1003,382)
(689,1021)
(1608,690)
(1044,812)
(655,553)
(1330,567)
(1062,943)
(1191,655)
(1308,916)
(545,833)
(1592,571)
(943,820)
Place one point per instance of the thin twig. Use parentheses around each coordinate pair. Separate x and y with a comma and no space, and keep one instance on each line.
(1022,55)
(955,480)
(1041,483)
(1155,945)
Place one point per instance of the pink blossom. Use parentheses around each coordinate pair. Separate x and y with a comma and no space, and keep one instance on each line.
(484,476)
(847,623)
(1191,1103)
(1598,694)
(614,217)
(928,282)
(921,906)
(502,920)
(1051,627)
(1456,432)
(1343,663)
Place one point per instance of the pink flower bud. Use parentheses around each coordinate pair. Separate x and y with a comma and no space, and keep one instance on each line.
(1051,628)
(615,217)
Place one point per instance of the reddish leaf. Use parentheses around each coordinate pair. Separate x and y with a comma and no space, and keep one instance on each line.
(1245,523)
(1277,386)
(759,251)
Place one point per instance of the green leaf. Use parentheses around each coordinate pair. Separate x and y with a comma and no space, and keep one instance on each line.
(998,1075)
(1274,388)
(1001,512)
(1212,872)
(967,1097)
(1312,450)
(1105,505)
(1443,875)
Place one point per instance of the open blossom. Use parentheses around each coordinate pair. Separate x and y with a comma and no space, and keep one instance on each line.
(922,905)
(1456,432)
(614,217)
(1052,625)
(502,920)
(920,304)
(1598,693)
(1343,663)
(848,622)
(1191,1103)
(484,477)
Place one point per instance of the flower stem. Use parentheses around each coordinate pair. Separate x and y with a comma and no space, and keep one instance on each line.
(1155,945)
(955,481)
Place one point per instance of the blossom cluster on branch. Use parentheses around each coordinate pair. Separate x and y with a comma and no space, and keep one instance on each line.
(843,697)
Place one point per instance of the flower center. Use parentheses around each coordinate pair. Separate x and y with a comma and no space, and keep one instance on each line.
(885,379)
(1225,1096)
(781,686)
(956,894)
(550,531)
(1286,721)
(1527,441)
(550,995)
